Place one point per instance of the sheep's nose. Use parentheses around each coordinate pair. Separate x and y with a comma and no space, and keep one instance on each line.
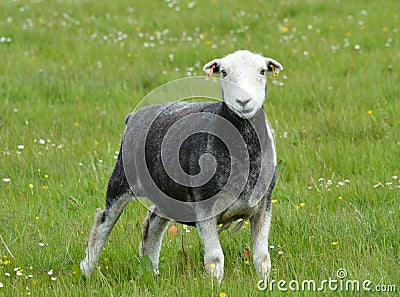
(243,102)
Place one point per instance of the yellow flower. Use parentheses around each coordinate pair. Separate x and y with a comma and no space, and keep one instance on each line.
(334,243)
(370,111)
(37,218)
(340,197)
(76,124)
(285,29)
(212,266)
(302,204)
(30,186)
(385,29)
(222,294)
(44,187)
(46,176)
(274,201)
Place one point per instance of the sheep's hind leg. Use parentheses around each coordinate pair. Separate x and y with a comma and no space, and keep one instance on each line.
(104,221)
(117,197)
(152,234)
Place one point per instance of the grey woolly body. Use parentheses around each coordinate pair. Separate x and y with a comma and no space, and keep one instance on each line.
(138,135)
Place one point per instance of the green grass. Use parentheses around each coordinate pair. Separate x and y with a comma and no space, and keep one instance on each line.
(69,75)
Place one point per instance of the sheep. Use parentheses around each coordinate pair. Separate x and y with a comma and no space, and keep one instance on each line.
(217,166)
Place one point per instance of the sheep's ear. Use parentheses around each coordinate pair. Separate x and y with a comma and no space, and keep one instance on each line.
(273,66)
(212,67)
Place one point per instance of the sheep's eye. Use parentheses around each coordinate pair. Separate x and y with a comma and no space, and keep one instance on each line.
(262,72)
(223,72)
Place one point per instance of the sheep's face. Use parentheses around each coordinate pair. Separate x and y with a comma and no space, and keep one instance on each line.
(243,80)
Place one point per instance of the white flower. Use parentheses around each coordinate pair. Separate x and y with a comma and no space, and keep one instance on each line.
(20,147)
(1,285)
(50,272)
(42,141)
(6,180)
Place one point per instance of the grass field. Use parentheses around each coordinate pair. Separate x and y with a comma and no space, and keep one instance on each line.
(71,70)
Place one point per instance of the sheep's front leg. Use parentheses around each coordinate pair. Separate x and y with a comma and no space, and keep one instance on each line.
(260,224)
(213,255)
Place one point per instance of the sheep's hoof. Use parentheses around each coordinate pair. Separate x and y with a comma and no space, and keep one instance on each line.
(262,264)
(85,268)
(215,267)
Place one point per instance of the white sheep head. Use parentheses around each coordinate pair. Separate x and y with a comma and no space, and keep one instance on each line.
(243,80)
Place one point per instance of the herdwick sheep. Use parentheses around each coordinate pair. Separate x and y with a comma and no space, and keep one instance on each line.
(229,140)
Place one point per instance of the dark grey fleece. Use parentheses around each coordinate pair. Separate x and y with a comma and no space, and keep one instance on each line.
(145,171)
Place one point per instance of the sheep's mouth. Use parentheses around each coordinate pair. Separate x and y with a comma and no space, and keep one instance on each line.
(247,110)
